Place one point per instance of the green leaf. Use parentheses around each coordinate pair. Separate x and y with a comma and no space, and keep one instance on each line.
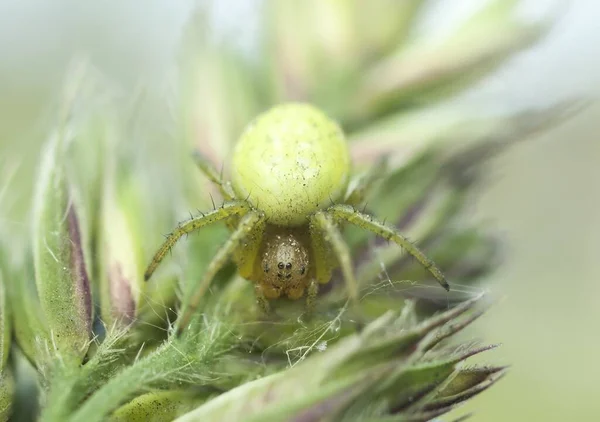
(157,406)
(7,390)
(427,70)
(69,387)
(5,326)
(471,377)
(343,40)
(464,385)
(186,361)
(30,329)
(408,135)
(387,360)
(60,269)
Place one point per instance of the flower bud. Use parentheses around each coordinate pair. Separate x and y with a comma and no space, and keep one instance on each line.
(59,259)
(121,282)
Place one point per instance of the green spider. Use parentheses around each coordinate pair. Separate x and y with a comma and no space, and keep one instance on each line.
(289,193)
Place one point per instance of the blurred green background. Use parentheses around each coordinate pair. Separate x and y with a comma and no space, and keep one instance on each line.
(543,195)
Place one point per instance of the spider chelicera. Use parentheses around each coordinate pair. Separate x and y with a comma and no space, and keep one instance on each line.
(289,193)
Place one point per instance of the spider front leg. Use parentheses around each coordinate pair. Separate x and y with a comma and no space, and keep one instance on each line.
(228,209)
(327,230)
(348,214)
(242,232)
(261,299)
(311,297)
(207,168)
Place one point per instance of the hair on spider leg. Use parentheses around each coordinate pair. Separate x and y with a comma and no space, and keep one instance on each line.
(221,172)
(384,221)
(212,200)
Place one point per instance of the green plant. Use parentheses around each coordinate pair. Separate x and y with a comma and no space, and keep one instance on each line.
(76,307)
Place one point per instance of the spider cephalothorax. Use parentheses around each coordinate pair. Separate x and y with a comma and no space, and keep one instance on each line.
(289,194)
(285,264)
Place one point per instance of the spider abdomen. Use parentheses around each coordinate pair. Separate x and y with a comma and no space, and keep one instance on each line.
(290,162)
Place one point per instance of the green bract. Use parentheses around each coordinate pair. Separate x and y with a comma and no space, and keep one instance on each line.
(6,376)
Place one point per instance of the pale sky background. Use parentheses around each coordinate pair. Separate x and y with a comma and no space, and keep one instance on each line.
(545,201)
(130,39)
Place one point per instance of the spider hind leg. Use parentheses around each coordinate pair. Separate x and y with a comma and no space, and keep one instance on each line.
(346,213)
(324,228)
(247,223)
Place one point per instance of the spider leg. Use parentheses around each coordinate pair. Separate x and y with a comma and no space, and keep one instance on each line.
(346,213)
(207,168)
(233,208)
(311,296)
(361,184)
(261,299)
(245,227)
(246,258)
(329,231)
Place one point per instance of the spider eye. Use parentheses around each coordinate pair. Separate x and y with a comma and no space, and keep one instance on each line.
(288,266)
(302,270)
(280,265)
